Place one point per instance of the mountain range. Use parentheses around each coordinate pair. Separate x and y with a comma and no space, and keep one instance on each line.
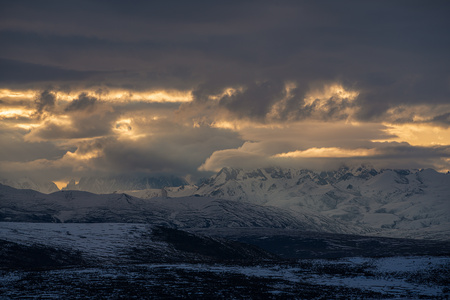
(387,202)
(391,202)
(184,212)
(408,203)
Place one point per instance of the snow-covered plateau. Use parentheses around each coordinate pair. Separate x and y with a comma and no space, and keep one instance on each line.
(112,260)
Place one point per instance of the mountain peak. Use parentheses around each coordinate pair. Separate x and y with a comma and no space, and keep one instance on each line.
(42,186)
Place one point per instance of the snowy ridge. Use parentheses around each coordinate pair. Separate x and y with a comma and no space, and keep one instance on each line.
(408,203)
(185,212)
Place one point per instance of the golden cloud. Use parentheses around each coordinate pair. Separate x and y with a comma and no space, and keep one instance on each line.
(9,113)
(328,152)
(417,134)
(335,91)
(229,91)
(17,94)
(115,95)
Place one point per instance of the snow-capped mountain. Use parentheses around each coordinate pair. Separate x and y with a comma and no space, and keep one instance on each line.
(398,203)
(33,184)
(106,185)
(415,201)
(186,212)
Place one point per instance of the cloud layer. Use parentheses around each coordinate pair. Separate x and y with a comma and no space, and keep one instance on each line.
(189,87)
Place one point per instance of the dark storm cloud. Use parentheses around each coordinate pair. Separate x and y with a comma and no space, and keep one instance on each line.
(88,117)
(404,150)
(14,148)
(384,155)
(17,72)
(84,118)
(77,127)
(256,100)
(403,155)
(170,148)
(45,101)
(84,102)
(54,131)
(273,101)
(165,154)
(443,119)
(119,21)
(394,52)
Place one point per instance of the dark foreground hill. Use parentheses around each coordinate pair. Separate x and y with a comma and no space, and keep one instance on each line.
(137,261)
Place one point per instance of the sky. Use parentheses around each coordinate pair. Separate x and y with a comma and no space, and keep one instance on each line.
(102,88)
